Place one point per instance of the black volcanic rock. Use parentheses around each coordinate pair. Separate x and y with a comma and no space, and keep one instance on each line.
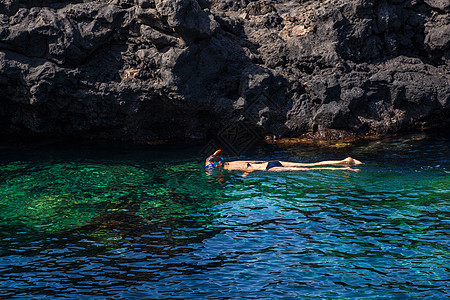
(152,70)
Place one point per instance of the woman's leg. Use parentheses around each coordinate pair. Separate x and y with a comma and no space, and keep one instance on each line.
(348,161)
(283,169)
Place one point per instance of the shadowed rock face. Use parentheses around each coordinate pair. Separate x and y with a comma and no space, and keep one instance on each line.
(152,70)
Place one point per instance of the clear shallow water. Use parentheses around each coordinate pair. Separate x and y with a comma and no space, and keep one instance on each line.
(143,222)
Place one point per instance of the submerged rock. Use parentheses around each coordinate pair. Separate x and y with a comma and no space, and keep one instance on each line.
(152,70)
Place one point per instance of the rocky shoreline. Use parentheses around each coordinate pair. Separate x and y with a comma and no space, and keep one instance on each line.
(153,70)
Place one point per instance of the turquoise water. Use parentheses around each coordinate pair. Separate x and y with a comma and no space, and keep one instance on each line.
(142,222)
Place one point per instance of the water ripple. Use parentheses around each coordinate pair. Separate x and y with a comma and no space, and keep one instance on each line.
(132,226)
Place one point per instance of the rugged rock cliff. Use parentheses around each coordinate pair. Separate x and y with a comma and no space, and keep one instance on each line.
(184,69)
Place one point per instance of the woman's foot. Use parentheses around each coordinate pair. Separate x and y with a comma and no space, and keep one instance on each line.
(352,162)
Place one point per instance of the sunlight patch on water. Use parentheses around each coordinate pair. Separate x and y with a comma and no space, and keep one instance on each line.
(56,196)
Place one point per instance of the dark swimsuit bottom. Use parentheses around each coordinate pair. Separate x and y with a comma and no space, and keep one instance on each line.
(273,164)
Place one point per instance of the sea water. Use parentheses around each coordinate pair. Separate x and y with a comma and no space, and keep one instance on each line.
(85,221)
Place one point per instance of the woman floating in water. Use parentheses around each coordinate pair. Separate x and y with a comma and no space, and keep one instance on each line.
(247,166)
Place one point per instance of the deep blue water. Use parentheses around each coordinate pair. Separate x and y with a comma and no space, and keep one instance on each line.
(147,222)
